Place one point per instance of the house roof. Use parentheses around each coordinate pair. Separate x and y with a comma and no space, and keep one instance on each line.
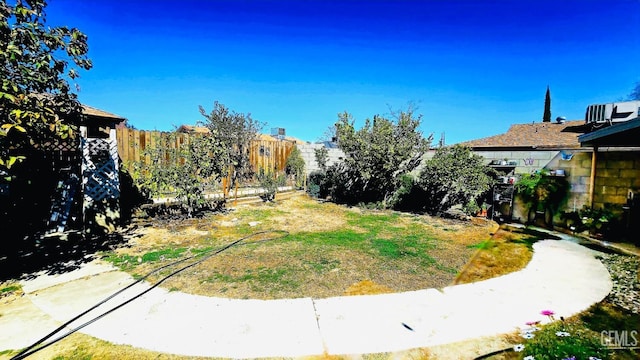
(191,129)
(92,112)
(622,134)
(536,135)
(287,138)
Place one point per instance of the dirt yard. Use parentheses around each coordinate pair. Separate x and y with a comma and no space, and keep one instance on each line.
(327,250)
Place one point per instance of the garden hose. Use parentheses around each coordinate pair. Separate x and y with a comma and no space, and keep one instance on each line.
(493,353)
(41,344)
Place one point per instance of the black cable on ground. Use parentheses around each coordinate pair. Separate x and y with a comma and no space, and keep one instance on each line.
(41,344)
(497,352)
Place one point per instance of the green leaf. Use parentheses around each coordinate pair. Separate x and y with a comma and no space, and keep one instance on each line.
(8,96)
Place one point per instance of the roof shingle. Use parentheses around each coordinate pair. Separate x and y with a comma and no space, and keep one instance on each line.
(91,111)
(535,135)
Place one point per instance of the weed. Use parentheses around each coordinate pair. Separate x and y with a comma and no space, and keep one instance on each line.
(128,262)
(483,245)
(322,265)
(79,353)
(10,289)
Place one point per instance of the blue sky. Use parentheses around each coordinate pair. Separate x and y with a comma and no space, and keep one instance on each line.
(472,68)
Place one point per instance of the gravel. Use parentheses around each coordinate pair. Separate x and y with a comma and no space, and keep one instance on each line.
(626,280)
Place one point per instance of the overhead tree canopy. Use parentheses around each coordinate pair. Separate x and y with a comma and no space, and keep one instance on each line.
(38,65)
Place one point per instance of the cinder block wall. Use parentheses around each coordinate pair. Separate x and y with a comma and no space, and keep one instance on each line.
(308,154)
(575,163)
(617,173)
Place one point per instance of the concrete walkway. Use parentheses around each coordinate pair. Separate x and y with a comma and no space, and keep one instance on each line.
(562,276)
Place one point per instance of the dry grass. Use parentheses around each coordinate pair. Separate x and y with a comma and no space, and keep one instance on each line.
(505,252)
(80,346)
(330,250)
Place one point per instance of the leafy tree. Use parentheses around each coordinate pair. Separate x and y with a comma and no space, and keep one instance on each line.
(186,169)
(322,157)
(454,176)
(38,63)
(294,166)
(377,154)
(546,117)
(233,133)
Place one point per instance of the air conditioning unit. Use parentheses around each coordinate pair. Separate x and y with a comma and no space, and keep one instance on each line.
(278,133)
(612,113)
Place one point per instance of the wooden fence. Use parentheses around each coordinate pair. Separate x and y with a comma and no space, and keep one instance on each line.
(264,154)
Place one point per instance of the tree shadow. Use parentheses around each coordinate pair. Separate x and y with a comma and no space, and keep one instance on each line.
(55,253)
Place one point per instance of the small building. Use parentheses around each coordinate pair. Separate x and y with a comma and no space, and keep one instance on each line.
(86,171)
(526,148)
(100,169)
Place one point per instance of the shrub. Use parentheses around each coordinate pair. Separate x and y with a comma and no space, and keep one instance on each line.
(471,208)
(376,155)
(294,166)
(604,221)
(342,185)
(184,169)
(314,183)
(454,176)
(409,195)
(270,181)
(542,192)
(322,157)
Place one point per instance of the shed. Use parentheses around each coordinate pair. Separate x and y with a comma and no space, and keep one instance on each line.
(90,173)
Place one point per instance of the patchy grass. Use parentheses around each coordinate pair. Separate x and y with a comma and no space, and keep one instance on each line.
(128,262)
(328,249)
(84,347)
(507,250)
(10,288)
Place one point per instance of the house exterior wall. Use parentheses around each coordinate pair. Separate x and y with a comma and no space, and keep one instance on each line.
(617,174)
(309,156)
(575,163)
